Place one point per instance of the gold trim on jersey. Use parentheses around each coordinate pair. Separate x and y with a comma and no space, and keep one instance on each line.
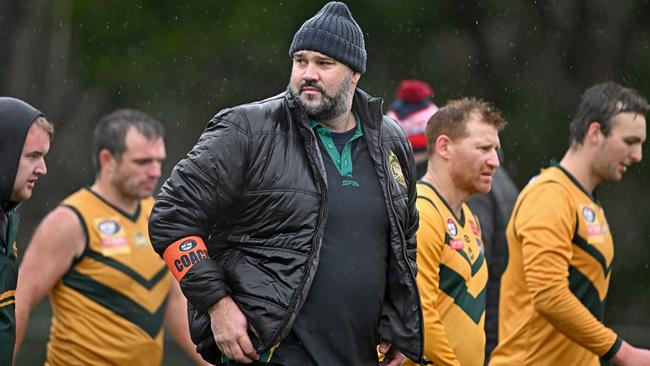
(7,298)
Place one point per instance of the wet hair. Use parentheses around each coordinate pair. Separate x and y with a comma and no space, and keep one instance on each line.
(451,119)
(46,125)
(600,103)
(110,132)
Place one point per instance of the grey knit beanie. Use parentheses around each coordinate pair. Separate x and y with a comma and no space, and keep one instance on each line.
(333,32)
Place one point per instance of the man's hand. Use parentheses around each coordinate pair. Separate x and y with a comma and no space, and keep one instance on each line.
(230,329)
(392,357)
(628,355)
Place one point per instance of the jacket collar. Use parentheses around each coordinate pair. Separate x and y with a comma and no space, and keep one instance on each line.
(369,108)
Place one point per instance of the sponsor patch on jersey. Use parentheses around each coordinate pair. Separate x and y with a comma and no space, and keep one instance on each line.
(594,229)
(396,169)
(111,236)
(456,244)
(588,213)
(596,233)
(451,227)
(183,254)
(475,228)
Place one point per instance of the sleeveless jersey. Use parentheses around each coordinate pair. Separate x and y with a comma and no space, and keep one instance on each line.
(109,307)
(452,280)
(560,253)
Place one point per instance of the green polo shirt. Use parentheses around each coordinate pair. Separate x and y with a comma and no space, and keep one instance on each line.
(342,160)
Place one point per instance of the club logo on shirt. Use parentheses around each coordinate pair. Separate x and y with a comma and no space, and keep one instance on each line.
(112,237)
(396,169)
(588,214)
(451,227)
(108,227)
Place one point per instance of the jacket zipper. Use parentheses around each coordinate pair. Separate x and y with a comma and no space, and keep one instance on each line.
(317,238)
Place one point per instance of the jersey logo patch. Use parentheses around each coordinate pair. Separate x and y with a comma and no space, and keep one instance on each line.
(589,214)
(451,227)
(112,236)
(108,227)
(396,169)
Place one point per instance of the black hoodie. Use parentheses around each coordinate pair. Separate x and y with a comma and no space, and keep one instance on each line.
(16,118)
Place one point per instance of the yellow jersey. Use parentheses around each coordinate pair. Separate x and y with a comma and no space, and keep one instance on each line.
(452,279)
(553,290)
(109,307)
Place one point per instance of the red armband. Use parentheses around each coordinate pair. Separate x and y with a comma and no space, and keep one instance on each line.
(183,254)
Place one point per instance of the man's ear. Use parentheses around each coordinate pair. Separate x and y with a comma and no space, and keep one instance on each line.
(355,78)
(106,160)
(442,146)
(594,133)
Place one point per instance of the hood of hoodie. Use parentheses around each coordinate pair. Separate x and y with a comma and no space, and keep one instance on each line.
(16,118)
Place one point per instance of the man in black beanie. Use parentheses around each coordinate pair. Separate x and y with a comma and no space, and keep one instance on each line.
(291,223)
(24,141)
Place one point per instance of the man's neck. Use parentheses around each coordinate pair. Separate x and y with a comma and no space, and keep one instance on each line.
(446,188)
(343,123)
(578,163)
(112,196)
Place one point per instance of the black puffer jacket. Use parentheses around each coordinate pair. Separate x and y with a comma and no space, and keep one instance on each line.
(254,189)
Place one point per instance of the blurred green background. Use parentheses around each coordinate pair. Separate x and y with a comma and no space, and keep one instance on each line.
(182,61)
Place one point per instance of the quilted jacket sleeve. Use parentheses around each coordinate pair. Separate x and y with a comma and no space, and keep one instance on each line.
(200,189)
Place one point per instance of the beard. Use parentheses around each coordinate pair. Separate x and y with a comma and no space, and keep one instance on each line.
(330,106)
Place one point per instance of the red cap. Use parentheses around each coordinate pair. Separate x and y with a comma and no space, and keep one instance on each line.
(414,91)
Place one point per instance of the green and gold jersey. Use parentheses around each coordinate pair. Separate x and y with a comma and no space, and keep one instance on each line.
(553,290)
(452,280)
(109,307)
